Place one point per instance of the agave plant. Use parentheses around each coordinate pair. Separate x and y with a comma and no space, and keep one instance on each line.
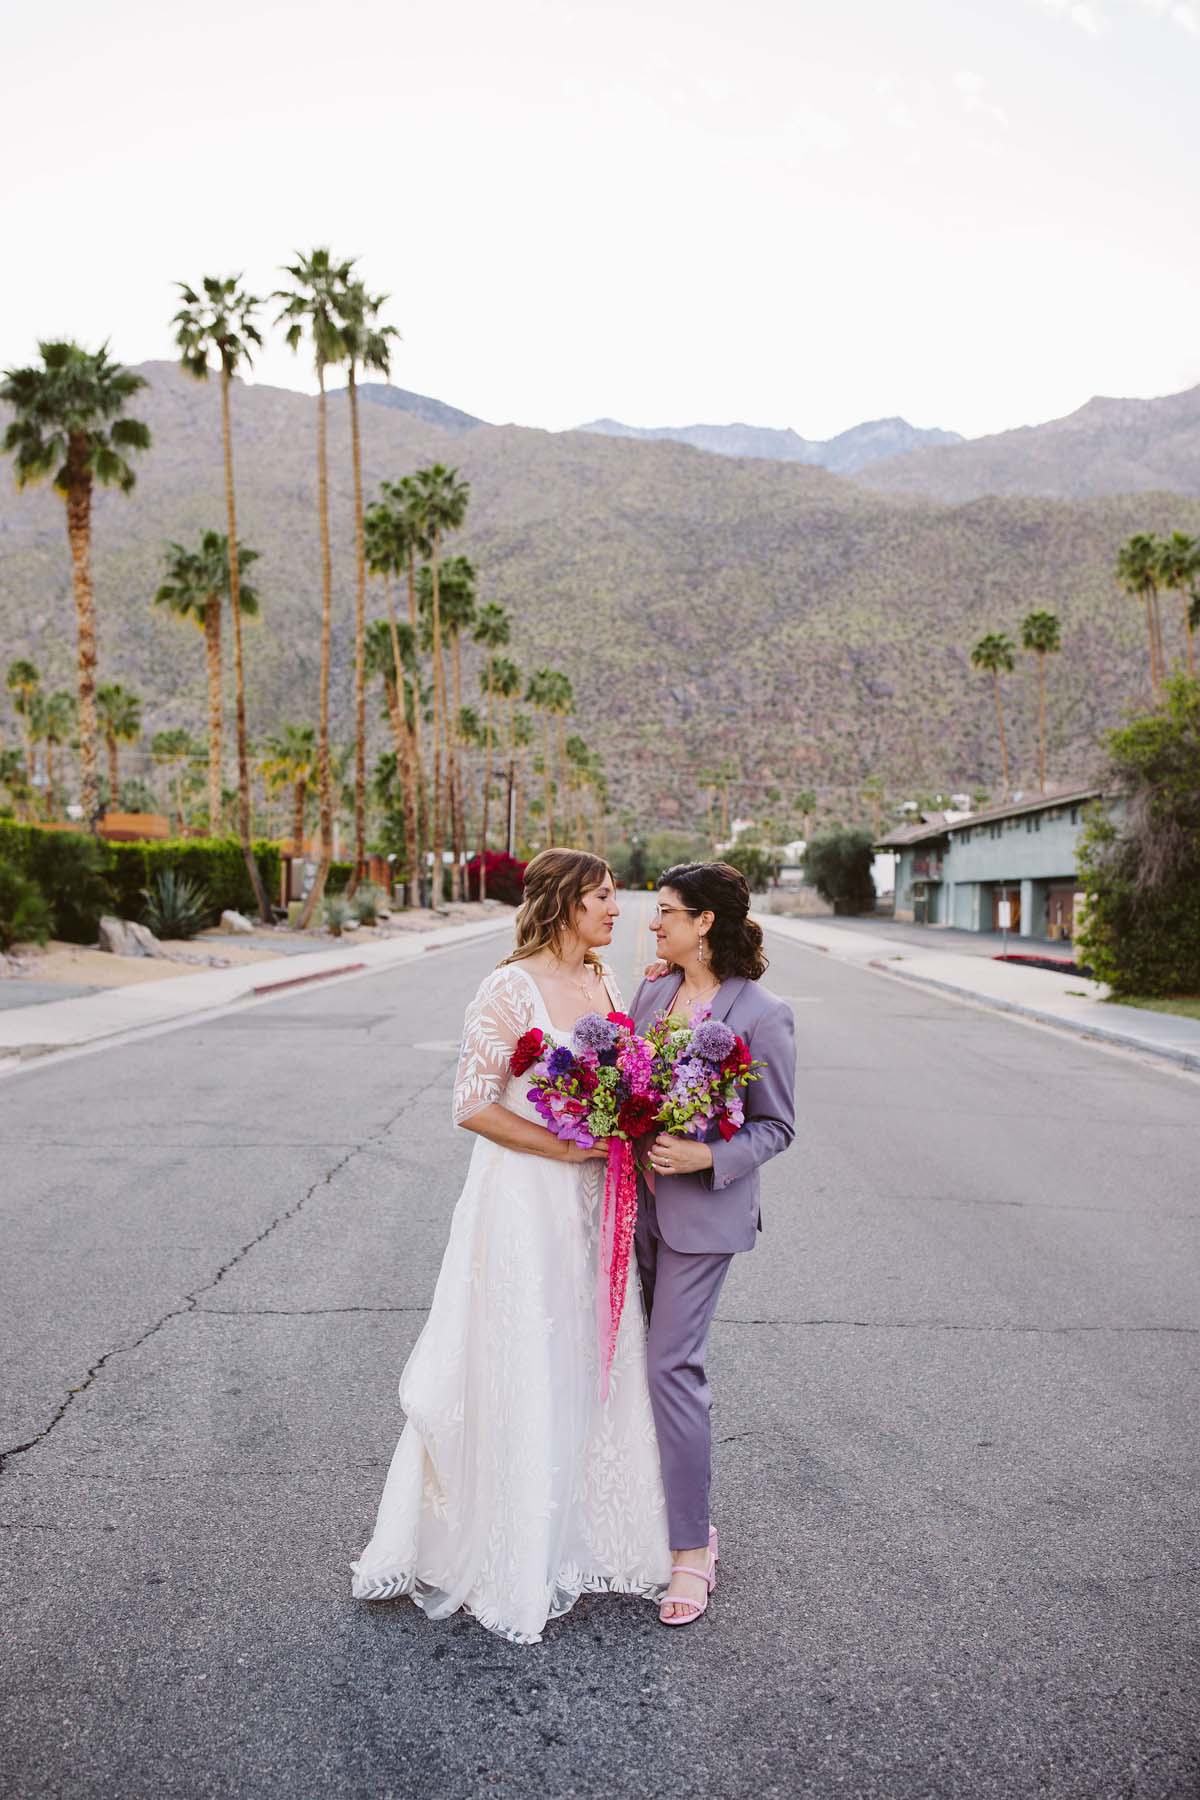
(338,913)
(176,905)
(366,904)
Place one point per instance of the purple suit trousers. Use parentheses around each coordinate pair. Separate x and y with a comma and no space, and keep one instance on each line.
(688,1231)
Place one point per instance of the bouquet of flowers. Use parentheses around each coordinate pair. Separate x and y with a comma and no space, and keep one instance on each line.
(700,1071)
(599,1086)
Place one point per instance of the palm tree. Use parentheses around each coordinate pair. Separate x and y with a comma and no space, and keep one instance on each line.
(24,683)
(290,760)
(58,718)
(458,615)
(438,504)
(805,803)
(367,342)
(537,695)
(174,749)
(996,653)
(559,702)
(389,653)
(314,305)
(121,722)
(68,423)
(197,584)
(521,739)
(1179,572)
(1138,574)
(507,682)
(492,630)
(221,322)
(14,778)
(1041,632)
(389,545)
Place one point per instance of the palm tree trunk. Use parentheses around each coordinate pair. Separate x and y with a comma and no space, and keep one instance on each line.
(324,772)
(1042,721)
(1160,647)
(487,792)
(1191,636)
(212,646)
(299,796)
(360,629)
(79,533)
(548,777)
(510,812)
(439,709)
(457,795)
(421,795)
(1003,739)
(114,784)
(239,668)
(408,759)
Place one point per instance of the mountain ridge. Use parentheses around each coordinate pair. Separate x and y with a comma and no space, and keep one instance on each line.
(1109,445)
(850,450)
(787,620)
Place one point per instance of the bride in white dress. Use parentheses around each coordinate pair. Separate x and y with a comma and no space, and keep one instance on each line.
(514,1487)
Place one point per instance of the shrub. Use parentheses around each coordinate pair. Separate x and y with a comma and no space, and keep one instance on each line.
(25,917)
(1140,871)
(838,865)
(338,878)
(82,877)
(338,912)
(69,869)
(176,906)
(215,864)
(366,904)
(759,866)
(505,878)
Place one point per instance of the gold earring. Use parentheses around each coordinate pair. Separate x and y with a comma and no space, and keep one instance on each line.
(703,949)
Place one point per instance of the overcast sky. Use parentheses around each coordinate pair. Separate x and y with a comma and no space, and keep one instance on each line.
(975,213)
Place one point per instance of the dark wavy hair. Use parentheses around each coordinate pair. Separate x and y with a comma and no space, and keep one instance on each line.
(734,940)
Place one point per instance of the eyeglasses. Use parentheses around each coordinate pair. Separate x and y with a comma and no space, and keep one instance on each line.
(664,912)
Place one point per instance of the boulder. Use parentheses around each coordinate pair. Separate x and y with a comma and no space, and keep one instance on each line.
(235,922)
(123,937)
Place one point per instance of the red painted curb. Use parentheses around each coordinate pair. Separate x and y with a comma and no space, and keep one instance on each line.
(273,987)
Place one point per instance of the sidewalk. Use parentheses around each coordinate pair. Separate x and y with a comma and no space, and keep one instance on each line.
(36,1030)
(1067,1001)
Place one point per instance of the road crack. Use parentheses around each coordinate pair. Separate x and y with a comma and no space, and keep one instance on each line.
(190,1302)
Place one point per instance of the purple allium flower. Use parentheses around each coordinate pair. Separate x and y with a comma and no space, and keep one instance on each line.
(713,1041)
(594,1033)
(561,1062)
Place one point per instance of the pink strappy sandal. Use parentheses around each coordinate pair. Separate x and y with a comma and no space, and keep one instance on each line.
(697,1607)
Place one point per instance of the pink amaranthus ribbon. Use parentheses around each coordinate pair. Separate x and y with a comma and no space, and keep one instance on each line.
(618,1217)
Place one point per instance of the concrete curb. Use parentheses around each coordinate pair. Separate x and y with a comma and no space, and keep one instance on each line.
(15,1057)
(1101,1034)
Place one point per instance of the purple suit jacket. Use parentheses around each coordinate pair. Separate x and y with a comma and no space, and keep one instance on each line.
(716,1210)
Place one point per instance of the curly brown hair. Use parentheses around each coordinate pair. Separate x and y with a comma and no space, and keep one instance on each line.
(734,940)
(556,882)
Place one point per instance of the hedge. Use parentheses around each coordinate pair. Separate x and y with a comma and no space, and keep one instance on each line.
(216,863)
(82,877)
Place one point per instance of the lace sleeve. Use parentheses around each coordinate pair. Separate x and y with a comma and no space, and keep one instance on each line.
(501,1010)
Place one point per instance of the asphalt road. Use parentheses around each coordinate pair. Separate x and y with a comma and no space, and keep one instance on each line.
(956,1422)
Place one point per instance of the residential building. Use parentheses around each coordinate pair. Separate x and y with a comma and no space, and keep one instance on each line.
(955,869)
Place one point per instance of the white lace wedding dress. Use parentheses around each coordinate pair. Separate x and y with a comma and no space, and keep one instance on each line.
(514,1489)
